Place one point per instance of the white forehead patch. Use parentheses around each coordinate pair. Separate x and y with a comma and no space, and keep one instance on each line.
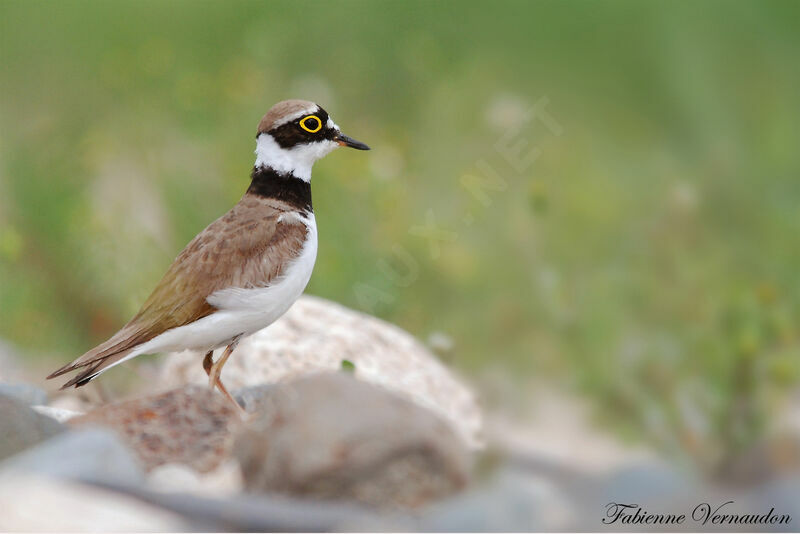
(332,124)
(296,115)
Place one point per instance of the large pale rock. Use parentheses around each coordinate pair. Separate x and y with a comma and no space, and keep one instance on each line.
(330,436)
(21,427)
(59,414)
(226,479)
(317,335)
(32,503)
(192,426)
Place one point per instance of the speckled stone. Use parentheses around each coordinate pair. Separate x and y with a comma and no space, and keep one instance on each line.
(317,335)
(332,436)
(192,426)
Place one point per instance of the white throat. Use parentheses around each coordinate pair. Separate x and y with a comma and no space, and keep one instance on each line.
(297,160)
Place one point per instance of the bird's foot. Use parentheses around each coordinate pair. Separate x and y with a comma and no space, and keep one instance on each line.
(213,370)
(222,389)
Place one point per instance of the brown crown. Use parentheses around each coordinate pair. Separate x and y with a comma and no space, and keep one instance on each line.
(281,110)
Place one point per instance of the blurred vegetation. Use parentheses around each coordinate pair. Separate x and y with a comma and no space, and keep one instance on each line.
(648,257)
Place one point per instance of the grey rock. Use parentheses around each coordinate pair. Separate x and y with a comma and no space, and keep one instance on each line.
(330,435)
(193,426)
(21,427)
(269,513)
(25,393)
(90,454)
(782,495)
(509,502)
(254,398)
(646,482)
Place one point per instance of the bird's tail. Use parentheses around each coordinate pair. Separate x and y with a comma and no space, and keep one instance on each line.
(90,370)
(97,360)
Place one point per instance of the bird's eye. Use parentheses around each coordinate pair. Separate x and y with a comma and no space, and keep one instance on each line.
(311,124)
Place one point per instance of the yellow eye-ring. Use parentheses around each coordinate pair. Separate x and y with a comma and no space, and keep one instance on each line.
(314,126)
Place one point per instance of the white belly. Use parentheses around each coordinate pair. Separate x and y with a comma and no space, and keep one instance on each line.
(242,311)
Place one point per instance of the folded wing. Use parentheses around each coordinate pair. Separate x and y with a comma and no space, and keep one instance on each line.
(247,247)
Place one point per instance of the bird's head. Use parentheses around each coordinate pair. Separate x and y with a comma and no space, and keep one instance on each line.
(296,133)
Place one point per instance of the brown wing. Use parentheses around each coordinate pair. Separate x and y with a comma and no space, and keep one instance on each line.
(246,247)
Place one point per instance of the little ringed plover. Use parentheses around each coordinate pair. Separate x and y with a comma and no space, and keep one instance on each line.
(246,268)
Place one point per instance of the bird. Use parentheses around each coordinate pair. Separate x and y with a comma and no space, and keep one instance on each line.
(245,269)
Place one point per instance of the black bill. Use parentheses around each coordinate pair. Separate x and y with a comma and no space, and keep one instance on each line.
(343,140)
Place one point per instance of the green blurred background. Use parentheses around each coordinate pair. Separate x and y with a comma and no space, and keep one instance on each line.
(646,259)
